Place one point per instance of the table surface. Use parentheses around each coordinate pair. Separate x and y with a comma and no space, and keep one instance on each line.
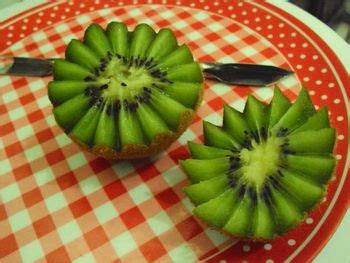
(336,249)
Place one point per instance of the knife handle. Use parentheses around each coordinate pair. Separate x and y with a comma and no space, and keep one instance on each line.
(25,66)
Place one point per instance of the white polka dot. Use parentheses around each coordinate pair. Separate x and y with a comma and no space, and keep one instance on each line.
(202,1)
(340,118)
(230,7)
(193,5)
(268,17)
(292,45)
(82,5)
(10,35)
(282,35)
(21,35)
(246,248)
(77,12)
(315,57)
(290,55)
(294,34)
(24,27)
(305,44)
(25,20)
(35,28)
(324,97)
(222,261)
(254,10)
(149,1)
(291,242)
(269,36)
(55,8)
(306,79)
(240,4)
(341,137)
(63,17)
(244,13)
(280,45)
(41,14)
(107,5)
(11,27)
(67,9)
(267,246)
(324,199)
(318,82)
(338,157)
(311,68)
(38,21)
(269,26)
(257,19)
(71,3)
(324,70)
(52,14)
(317,107)
(206,7)
(216,3)
(97,1)
(269,261)
(331,85)
(246,21)
(302,56)
(299,66)
(312,92)
(178,3)
(258,28)
(333,178)
(93,8)
(8,43)
(49,22)
(220,11)
(309,220)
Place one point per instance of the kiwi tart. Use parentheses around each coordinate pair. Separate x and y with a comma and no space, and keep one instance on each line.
(125,95)
(265,169)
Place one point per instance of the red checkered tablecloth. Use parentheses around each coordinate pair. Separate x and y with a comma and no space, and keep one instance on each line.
(61,204)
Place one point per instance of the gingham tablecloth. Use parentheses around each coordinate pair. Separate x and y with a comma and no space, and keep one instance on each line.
(61,204)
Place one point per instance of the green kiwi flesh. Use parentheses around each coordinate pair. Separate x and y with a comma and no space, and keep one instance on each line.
(265,169)
(121,91)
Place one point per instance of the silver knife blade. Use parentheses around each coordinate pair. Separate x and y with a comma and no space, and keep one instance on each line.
(244,74)
(230,73)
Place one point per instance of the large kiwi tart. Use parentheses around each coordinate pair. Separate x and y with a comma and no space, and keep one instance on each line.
(125,95)
(265,169)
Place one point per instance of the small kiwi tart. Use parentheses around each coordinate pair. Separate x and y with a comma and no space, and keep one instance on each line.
(125,95)
(265,169)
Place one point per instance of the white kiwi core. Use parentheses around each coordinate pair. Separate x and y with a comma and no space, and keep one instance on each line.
(261,161)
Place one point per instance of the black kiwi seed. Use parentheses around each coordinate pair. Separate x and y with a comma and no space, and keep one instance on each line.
(109,55)
(266,194)
(252,194)
(109,110)
(123,84)
(148,90)
(118,56)
(89,78)
(104,86)
(91,91)
(232,181)
(241,190)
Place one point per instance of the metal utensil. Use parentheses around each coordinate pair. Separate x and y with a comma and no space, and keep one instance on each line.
(230,73)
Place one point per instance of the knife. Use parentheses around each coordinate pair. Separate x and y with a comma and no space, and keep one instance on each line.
(229,73)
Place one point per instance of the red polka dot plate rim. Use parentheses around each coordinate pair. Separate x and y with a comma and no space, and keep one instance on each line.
(60,202)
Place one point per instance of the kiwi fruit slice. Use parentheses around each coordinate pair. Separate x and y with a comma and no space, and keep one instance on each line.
(264,170)
(125,94)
